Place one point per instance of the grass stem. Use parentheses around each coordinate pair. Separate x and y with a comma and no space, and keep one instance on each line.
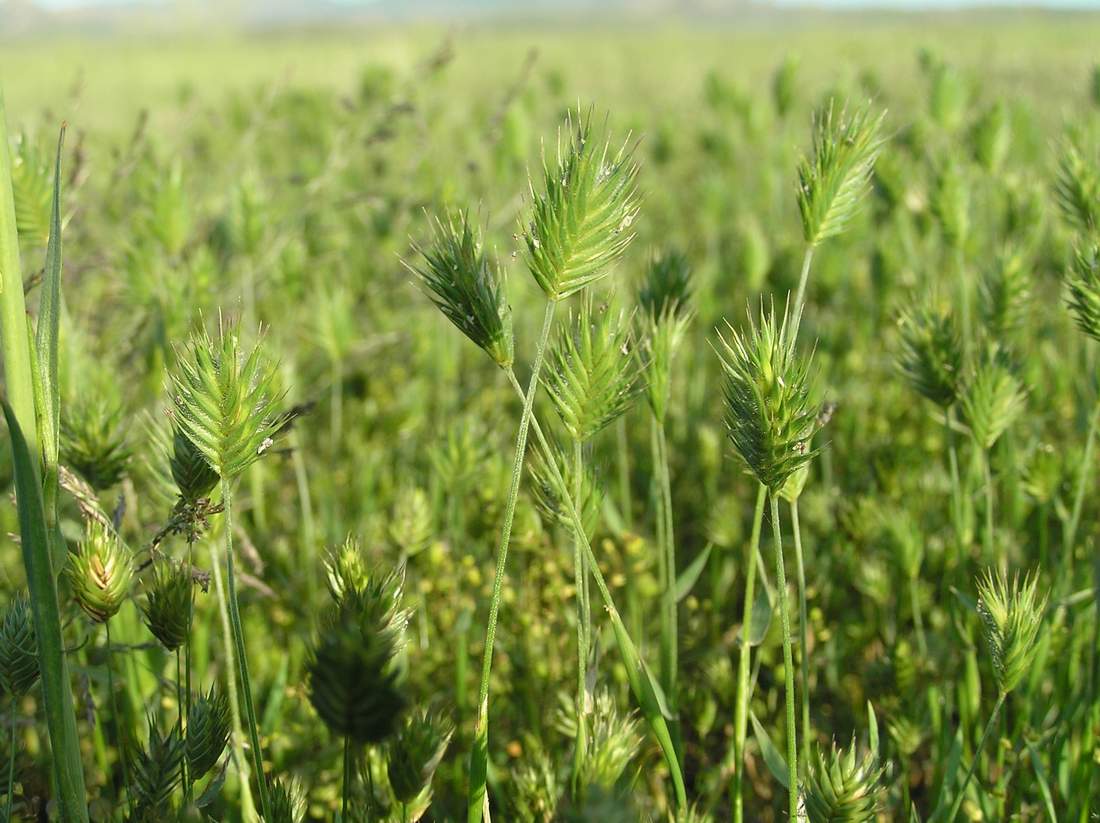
(804,629)
(788,661)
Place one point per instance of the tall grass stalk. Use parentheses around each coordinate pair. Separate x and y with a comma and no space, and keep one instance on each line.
(476,798)
(804,628)
(120,726)
(670,621)
(38,540)
(584,611)
(957,804)
(788,660)
(1070,538)
(744,660)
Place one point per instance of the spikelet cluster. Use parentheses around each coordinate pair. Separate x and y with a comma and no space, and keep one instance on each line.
(287,802)
(836,178)
(167,604)
(1077,186)
(843,788)
(613,740)
(770,414)
(1006,293)
(224,402)
(993,399)
(1083,283)
(666,314)
(1012,613)
(155,771)
(93,441)
(931,355)
(581,220)
(18,648)
(416,752)
(466,285)
(951,204)
(208,727)
(100,572)
(191,471)
(586,491)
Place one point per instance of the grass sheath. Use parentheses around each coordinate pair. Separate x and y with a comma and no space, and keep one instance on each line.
(476,796)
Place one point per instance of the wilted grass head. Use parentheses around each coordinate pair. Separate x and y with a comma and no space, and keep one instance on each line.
(843,788)
(467,285)
(1012,613)
(224,400)
(1083,283)
(581,221)
(836,178)
(770,413)
(591,374)
(100,572)
(931,354)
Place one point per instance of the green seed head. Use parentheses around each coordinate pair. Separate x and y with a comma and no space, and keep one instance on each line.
(581,221)
(667,286)
(416,752)
(155,771)
(842,788)
(1083,283)
(1012,613)
(225,402)
(591,372)
(93,442)
(208,726)
(100,572)
(993,399)
(931,354)
(1006,293)
(411,526)
(18,648)
(950,204)
(992,137)
(785,85)
(552,501)
(168,604)
(1077,186)
(351,678)
(770,414)
(835,180)
(613,740)
(467,286)
(287,801)
(194,477)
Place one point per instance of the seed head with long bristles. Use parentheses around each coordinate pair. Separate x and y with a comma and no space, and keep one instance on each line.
(770,413)
(100,572)
(993,399)
(18,648)
(209,724)
(467,285)
(581,221)
(836,178)
(843,788)
(1012,613)
(168,604)
(416,752)
(931,354)
(1077,186)
(1083,283)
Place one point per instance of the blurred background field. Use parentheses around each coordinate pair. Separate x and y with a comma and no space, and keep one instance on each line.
(280,173)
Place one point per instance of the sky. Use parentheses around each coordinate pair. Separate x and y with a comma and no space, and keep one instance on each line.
(61,5)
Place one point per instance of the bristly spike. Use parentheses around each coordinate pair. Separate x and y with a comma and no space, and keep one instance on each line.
(1012,613)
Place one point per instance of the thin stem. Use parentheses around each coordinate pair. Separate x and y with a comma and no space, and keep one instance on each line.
(956,486)
(479,752)
(11,765)
(918,618)
(1070,539)
(242,659)
(123,757)
(977,755)
(626,501)
(347,779)
(800,295)
(179,712)
(804,628)
(581,743)
(627,648)
(669,544)
(741,709)
(788,660)
(188,784)
(987,474)
(663,573)
(248,810)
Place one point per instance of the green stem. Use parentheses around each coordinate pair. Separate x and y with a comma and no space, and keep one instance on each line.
(11,765)
(581,743)
(242,659)
(179,714)
(804,628)
(627,648)
(990,541)
(188,784)
(956,486)
(1069,542)
(625,497)
(918,618)
(669,544)
(744,668)
(476,797)
(977,756)
(800,295)
(788,660)
(120,738)
(347,780)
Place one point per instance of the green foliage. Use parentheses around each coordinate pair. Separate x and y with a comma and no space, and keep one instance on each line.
(834,181)
(770,414)
(581,221)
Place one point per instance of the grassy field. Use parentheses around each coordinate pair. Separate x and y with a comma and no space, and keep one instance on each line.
(775,495)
